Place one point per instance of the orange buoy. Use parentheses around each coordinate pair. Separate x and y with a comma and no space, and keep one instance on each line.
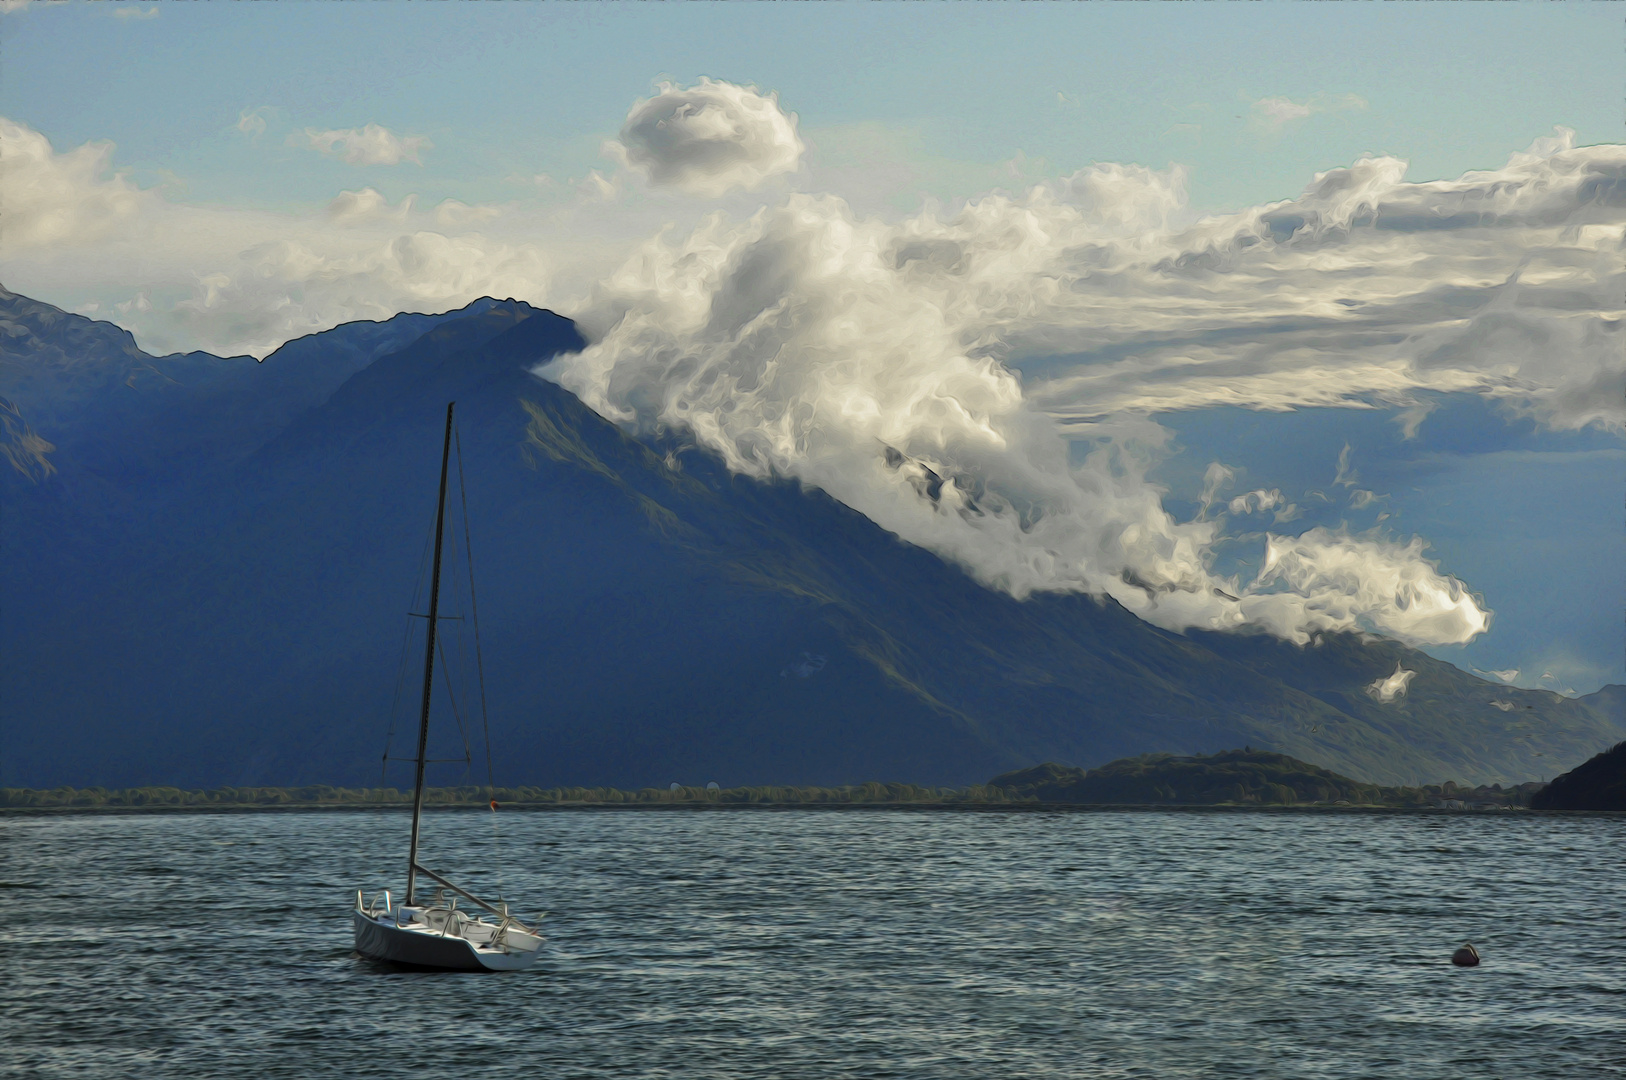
(1467,956)
(494,804)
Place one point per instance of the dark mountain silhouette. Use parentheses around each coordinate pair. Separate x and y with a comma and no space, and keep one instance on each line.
(209,563)
(1596,784)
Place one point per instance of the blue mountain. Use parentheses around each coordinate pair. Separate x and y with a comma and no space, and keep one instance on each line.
(210,564)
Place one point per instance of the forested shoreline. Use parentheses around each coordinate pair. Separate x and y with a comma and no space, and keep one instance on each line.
(1236,778)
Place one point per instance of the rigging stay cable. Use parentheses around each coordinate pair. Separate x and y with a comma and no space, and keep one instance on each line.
(401,668)
(468,754)
(474,607)
(479,662)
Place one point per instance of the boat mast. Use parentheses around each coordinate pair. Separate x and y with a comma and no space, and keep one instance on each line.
(429,661)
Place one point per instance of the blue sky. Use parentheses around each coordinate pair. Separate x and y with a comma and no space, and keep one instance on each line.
(229,176)
(507,89)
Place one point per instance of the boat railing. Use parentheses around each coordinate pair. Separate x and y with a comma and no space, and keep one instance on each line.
(501,912)
(372,908)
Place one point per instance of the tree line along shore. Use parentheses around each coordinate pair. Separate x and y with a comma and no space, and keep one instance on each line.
(1237,778)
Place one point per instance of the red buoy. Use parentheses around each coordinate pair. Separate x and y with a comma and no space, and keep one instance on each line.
(1467,956)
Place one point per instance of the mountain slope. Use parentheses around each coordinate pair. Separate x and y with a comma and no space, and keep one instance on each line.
(232,610)
(1598,783)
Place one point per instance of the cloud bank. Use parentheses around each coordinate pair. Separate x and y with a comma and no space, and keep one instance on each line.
(875,361)
(234,281)
(938,371)
(61,201)
(709,139)
(864,358)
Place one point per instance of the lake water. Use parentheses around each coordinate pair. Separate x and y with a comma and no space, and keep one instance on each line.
(791,944)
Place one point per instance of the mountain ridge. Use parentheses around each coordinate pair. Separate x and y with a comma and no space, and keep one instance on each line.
(654,616)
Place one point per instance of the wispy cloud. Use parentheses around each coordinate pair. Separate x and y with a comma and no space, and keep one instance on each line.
(251,122)
(1392,688)
(370,145)
(1272,114)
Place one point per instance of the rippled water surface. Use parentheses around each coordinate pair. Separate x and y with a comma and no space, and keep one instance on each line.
(819,944)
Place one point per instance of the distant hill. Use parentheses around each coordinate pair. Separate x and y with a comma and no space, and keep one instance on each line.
(1231,776)
(1596,784)
(210,561)
(1609,704)
(1242,778)
(1245,777)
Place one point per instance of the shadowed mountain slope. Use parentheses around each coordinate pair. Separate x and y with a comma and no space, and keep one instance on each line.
(1596,784)
(230,608)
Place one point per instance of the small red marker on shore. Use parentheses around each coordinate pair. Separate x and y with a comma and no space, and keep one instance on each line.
(494,804)
(1467,956)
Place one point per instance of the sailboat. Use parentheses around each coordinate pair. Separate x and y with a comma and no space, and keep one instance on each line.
(437,933)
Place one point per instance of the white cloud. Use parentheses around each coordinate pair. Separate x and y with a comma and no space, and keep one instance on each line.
(861,358)
(1360,499)
(1388,690)
(239,282)
(1257,502)
(57,201)
(1272,114)
(248,300)
(596,187)
(1411,418)
(1216,478)
(367,205)
(454,213)
(370,145)
(251,122)
(148,9)
(807,339)
(709,139)
(1366,289)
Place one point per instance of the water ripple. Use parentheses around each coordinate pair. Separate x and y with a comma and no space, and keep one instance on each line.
(827,944)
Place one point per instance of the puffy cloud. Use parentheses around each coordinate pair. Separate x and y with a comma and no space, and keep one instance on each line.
(1388,690)
(250,301)
(56,200)
(239,282)
(1370,582)
(370,145)
(862,358)
(367,205)
(710,138)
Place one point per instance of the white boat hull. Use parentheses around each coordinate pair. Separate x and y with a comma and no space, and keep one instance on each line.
(401,937)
